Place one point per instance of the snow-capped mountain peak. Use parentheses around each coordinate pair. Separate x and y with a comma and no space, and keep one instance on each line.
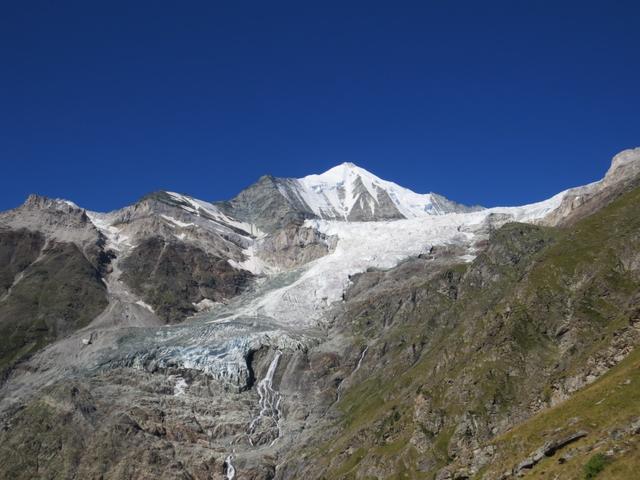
(345,192)
(349,192)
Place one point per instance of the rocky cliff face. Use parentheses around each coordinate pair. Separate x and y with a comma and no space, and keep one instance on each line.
(294,246)
(175,278)
(580,202)
(336,326)
(267,203)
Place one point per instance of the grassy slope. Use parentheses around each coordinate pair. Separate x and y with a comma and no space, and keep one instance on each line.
(585,278)
(57,295)
(611,403)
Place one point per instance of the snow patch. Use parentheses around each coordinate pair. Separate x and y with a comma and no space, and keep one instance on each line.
(145,305)
(196,206)
(116,239)
(177,222)
(252,263)
(71,204)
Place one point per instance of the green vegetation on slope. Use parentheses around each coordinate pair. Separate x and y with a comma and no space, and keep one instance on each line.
(607,409)
(471,351)
(52,294)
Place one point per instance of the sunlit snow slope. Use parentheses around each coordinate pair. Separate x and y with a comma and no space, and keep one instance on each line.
(363,245)
(348,192)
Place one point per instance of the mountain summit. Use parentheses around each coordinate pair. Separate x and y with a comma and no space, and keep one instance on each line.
(352,193)
(345,192)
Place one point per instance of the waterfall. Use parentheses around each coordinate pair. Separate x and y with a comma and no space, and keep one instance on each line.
(231,471)
(364,352)
(359,364)
(269,400)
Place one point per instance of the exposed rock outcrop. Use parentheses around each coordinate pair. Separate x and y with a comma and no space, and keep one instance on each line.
(294,246)
(174,277)
(269,204)
(580,202)
(547,450)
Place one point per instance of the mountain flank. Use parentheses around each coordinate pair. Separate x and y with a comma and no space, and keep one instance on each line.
(336,326)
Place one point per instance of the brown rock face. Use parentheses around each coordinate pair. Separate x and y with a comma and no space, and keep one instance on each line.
(173,277)
(294,246)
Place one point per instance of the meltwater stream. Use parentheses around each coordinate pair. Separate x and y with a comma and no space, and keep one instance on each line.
(362,355)
(231,471)
(269,402)
(359,364)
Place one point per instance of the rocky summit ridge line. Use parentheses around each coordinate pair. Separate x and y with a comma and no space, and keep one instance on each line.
(180,338)
(345,192)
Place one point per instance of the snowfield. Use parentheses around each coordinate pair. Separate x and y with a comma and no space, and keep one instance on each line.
(335,193)
(382,245)
(285,307)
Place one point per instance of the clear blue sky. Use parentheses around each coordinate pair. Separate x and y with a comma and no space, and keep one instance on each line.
(485,102)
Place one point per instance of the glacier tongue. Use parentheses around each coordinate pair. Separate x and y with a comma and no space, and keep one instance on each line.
(363,245)
(284,309)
